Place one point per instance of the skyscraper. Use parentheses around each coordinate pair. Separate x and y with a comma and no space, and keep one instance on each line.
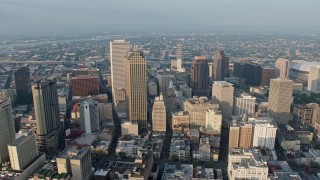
(136,80)
(244,103)
(221,66)
(7,131)
(23,85)
(314,79)
(159,115)
(46,107)
(280,99)
(176,65)
(283,66)
(267,73)
(164,80)
(252,73)
(199,79)
(89,116)
(223,91)
(118,51)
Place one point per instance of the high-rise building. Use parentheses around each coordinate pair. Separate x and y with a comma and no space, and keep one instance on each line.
(89,116)
(245,138)
(282,66)
(118,51)
(223,91)
(213,120)
(152,89)
(244,103)
(136,90)
(252,73)
(23,85)
(221,66)
(211,72)
(176,65)
(105,111)
(7,132)
(159,115)
(75,161)
(46,107)
(280,99)
(23,151)
(264,132)
(234,132)
(84,86)
(314,79)
(239,69)
(267,73)
(197,108)
(164,80)
(199,80)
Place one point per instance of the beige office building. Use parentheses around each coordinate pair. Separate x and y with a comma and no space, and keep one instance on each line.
(245,137)
(136,80)
(234,131)
(180,119)
(197,108)
(244,103)
(282,66)
(223,91)
(280,99)
(314,79)
(23,151)
(7,132)
(159,123)
(129,128)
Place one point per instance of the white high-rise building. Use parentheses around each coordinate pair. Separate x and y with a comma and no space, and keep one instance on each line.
(245,103)
(283,66)
(23,151)
(159,115)
(213,120)
(7,131)
(176,65)
(264,132)
(314,79)
(89,116)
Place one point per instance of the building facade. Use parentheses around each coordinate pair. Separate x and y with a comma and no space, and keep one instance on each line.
(244,104)
(84,86)
(89,116)
(199,79)
(23,85)
(159,123)
(314,79)
(223,91)
(221,66)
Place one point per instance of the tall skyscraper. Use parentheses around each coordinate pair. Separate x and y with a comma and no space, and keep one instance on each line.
(283,66)
(199,79)
(176,65)
(164,80)
(23,85)
(118,51)
(280,99)
(244,103)
(89,116)
(223,91)
(314,79)
(252,73)
(136,80)
(159,115)
(7,131)
(221,66)
(238,69)
(46,107)
(267,73)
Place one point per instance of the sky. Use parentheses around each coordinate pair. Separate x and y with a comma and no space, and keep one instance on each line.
(65,16)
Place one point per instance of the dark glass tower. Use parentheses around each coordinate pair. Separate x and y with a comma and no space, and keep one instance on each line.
(199,76)
(23,85)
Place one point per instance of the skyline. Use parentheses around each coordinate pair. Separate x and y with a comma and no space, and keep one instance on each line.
(80,16)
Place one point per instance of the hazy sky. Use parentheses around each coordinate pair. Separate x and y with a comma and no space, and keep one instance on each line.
(159,15)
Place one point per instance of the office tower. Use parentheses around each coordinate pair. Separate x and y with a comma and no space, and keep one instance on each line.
(245,139)
(136,80)
(247,164)
(105,111)
(211,72)
(118,51)
(164,80)
(221,66)
(314,79)
(234,132)
(199,79)
(176,65)
(186,91)
(252,73)
(213,120)
(152,89)
(264,132)
(267,73)
(7,132)
(23,85)
(89,116)
(223,91)
(244,103)
(159,115)
(23,151)
(84,86)
(46,107)
(239,69)
(197,108)
(282,66)
(280,99)
(75,161)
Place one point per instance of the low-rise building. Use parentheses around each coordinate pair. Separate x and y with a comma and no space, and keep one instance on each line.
(179,148)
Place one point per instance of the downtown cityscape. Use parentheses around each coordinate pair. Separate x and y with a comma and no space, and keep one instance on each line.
(158,105)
